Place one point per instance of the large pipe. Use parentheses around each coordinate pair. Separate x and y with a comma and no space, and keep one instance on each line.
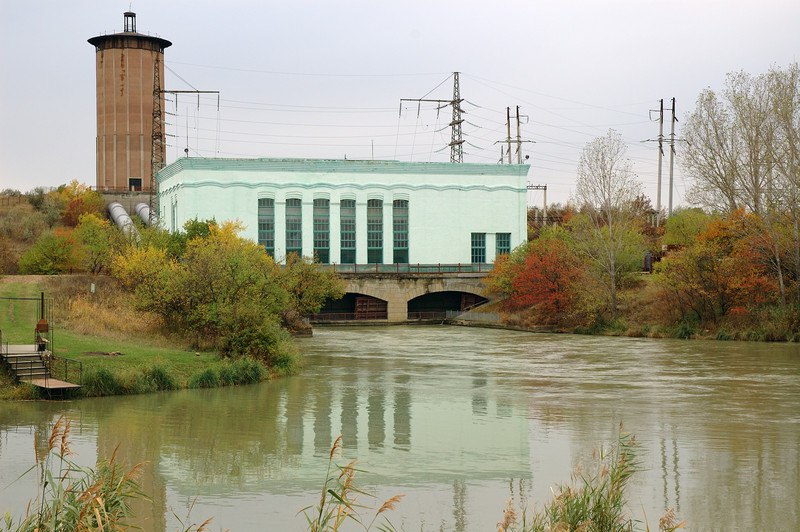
(143,211)
(120,217)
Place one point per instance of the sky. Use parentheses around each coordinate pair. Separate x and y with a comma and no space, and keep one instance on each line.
(324,79)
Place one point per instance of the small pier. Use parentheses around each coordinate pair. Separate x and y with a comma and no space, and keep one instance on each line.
(27,364)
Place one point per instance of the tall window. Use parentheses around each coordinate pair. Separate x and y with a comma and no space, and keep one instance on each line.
(400,231)
(375,231)
(478,248)
(347,222)
(266,224)
(503,243)
(294,226)
(322,234)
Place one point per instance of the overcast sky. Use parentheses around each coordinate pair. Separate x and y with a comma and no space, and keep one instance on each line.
(324,79)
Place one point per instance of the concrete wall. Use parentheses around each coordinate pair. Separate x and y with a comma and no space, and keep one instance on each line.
(447,202)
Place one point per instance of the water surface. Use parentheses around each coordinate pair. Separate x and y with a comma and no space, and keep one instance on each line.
(459,420)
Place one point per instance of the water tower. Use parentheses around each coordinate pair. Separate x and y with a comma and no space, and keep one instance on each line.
(127,64)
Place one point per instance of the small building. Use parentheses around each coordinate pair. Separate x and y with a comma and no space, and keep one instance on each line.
(355,211)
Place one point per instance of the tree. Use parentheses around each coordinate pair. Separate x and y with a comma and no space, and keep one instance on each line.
(225,291)
(719,272)
(309,285)
(683,227)
(728,145)
(100,241)
(78,199)
(784,88)
(53,253)
(547,280)
(605,232)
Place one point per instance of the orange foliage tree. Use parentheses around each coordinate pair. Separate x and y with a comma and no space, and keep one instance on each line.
(721,273)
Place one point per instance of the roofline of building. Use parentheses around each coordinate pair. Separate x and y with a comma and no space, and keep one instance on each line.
(101,40)
(354,166)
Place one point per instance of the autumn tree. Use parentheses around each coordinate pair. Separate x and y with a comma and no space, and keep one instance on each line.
(78,199)
(100,241)
(605,232)
(720,272)
(225,292)
(54,252)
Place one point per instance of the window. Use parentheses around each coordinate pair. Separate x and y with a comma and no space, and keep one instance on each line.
(135,183)
(400,231)
(478,248)
(266,224)
(322,234)
(503,243)
(347,223)
(294,226)
(375,231)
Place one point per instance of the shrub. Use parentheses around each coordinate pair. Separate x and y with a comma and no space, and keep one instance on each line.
(208,378)
(101,382)
(723,335)
(159,378)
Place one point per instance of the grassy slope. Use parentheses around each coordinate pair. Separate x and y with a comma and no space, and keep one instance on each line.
(18,319)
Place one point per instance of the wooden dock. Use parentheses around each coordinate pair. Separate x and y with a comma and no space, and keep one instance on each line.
(51,384)
(27,364)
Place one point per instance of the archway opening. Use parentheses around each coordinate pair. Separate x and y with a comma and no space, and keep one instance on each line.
(353,306)
(435,305)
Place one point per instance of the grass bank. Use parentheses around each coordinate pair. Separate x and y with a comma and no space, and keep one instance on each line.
(122,351)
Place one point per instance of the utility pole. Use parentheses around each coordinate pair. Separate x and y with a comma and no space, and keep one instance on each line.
(544,207)
(519,140)
(660,157)
(157,139)
(508,136)
(508,140)
(456,137)
(671,154)
(157,147)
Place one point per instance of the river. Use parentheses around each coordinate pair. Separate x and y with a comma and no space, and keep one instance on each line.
(459,420)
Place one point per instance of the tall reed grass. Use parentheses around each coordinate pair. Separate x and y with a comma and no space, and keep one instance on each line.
(594,501)
(71,497)
(339,501)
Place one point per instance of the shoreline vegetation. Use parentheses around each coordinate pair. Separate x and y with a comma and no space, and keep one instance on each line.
(200,308)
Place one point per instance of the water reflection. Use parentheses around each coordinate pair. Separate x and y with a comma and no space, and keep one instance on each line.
(460,420)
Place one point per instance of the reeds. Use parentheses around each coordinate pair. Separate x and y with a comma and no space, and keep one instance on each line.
(70,497)
(594,500)
(338,501)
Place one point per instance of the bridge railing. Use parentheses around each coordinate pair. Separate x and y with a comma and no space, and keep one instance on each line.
(348,316)
(411,268)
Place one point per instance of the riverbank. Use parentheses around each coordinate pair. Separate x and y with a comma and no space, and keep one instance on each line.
(121,352)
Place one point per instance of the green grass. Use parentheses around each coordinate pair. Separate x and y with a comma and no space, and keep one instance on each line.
(140,368)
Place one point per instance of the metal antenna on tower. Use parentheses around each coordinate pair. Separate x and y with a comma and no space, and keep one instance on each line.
(456,138)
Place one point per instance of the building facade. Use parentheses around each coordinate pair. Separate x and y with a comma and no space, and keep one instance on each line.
(353,211)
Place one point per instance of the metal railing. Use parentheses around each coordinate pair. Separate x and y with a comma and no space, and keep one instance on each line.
(470,315)
(71,370)
(348,316)
(428,315)
(411,268)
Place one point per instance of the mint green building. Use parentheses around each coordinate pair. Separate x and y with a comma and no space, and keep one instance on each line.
(353,211)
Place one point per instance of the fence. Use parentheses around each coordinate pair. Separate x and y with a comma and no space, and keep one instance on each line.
(411,268)
(471,315)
